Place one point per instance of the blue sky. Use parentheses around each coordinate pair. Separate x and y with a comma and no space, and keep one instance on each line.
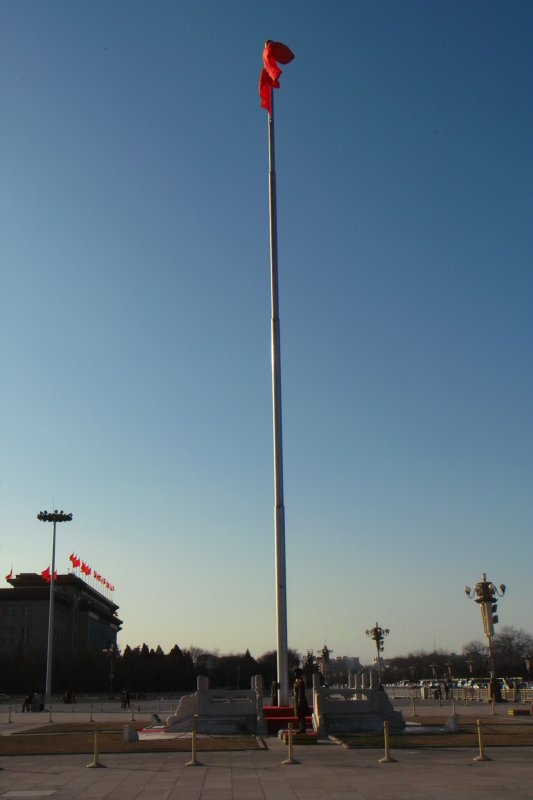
(136,313)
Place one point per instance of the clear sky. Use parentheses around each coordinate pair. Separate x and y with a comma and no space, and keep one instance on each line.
(135,373)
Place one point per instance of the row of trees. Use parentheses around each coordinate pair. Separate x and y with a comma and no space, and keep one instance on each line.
(513,652)
(144,669)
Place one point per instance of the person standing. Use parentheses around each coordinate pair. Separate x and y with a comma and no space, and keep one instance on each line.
(301,706)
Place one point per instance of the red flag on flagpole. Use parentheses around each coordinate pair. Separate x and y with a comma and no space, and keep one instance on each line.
(45,574)
(8,577)
(273,53)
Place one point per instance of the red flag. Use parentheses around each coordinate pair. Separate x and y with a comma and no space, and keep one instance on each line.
(76,562)
(274,52)
(8,577)
(45,574)
(268,79)
(265,90)
(85,568)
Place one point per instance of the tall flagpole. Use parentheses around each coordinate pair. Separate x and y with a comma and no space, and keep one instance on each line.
(279,507)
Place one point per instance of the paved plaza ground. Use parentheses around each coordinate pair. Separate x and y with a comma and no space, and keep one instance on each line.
(326,771)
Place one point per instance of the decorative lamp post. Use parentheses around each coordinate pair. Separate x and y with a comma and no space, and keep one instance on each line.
(53,516)
(377,635)
(470,662)
(448,666)
(324,661)
(111,651)
(486,594)
(433,668)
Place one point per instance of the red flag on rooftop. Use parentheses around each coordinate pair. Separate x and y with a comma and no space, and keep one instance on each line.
(273,53)
(76,562)
(8,577)
(46,574)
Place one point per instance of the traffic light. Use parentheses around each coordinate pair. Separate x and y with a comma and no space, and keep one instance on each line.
(493,608)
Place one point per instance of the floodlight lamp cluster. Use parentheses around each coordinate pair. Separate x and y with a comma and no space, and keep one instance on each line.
(377,634)
(54,516)
(484,591)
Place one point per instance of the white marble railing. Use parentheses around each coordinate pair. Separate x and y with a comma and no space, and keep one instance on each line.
(231,706)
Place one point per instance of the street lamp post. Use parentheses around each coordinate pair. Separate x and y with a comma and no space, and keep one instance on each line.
(470,662)
(486,595)
(377,635)
(324,661)
(55,517)
(111,651)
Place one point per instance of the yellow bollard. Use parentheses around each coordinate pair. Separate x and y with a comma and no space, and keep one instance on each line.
(95,763)
(387,758)
(481,756)
(193,762)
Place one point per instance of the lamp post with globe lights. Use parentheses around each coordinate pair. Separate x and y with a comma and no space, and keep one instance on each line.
(486,595)
(377,634)
(54,517)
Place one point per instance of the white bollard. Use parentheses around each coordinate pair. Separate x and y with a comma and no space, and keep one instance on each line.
(387,758)
(290,759)
(95,763)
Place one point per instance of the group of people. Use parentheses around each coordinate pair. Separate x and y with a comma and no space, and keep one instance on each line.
(34,701)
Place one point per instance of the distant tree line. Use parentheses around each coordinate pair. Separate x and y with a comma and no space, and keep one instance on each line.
(144,670)
(512,649)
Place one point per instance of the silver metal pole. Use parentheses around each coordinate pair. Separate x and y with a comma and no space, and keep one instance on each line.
(279,508)
(49,655)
